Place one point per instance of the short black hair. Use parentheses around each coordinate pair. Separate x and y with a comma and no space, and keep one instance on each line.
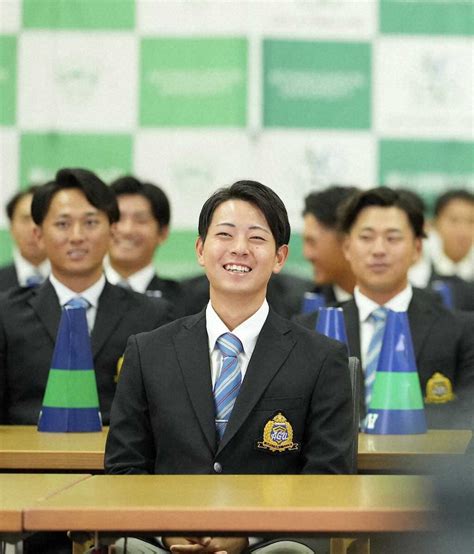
(385,198)
(261,196)
(414,197)
(324,204)
(456,194)
(95,190)
(158,200)
(13,202)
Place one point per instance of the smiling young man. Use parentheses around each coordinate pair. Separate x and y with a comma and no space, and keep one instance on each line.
(74,215)
(142,228)
(199,395)
(383,231)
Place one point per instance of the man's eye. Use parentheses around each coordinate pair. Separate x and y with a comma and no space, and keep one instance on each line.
(61,224)
(258,238)
(92,222)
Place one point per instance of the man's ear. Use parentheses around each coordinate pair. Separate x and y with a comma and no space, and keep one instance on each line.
(345,247)
(38,234)
(280,258)
(199,246)
(163,234)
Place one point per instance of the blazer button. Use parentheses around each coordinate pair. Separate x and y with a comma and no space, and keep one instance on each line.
(217,467)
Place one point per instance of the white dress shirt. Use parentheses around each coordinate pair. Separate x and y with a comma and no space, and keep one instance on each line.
(91,294)
(366,306)
(340,294)
(247,332)
(24,269)
(138,281)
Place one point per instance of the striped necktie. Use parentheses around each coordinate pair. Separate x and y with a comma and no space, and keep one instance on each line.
(378,318)
(227,385)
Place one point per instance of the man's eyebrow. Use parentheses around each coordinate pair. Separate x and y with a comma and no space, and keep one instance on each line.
(251,227)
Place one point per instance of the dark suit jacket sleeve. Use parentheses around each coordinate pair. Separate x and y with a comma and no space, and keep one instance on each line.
(129,447)
(465,369)
(328,428)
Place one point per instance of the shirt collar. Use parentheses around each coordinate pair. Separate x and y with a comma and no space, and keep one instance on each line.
(247,331)
(91,294)
(138,281)
(341,294)
(25,269)
(399,303)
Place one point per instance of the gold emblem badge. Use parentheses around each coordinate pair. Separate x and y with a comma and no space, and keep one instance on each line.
(439,389)
(118,368)
(278,435)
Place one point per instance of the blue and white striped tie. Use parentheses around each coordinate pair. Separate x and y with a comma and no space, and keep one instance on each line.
(378,318)
(227,385)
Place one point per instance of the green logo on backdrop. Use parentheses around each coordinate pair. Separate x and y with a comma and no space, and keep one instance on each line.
(433,17)
(427,167)
(7,80)
(193,82)
(41,155)
(317,84)
(79,14)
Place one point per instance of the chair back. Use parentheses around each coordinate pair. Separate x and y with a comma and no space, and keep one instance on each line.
(355,375)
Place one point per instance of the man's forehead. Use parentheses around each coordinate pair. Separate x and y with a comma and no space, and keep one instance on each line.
(382,216)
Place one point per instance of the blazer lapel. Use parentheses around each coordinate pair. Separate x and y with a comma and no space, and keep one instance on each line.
(45,304)
(421,318)
(112,308)
(193,356)
(273,347)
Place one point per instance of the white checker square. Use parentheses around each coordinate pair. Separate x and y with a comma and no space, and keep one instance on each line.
(190,165)
(77,81)
(10,16)
(424,87)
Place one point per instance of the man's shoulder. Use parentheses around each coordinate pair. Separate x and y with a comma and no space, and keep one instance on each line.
(170,330)
(8,277)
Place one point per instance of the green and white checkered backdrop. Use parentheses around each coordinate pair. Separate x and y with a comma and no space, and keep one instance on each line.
(196,94)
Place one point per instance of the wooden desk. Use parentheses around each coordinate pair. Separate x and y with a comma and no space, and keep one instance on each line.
(20,490)
(238,503)
(410,453)
(23,448)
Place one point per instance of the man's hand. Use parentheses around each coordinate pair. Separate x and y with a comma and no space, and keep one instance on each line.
(202,545)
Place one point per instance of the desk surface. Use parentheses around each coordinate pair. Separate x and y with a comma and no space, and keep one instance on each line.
(23,447)
(238,503)
(19,490)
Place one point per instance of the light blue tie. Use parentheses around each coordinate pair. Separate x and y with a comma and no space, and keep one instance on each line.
(34,281)
(228,383)
(378,318)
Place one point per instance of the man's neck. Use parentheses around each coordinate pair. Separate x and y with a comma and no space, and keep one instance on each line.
(234,311)
(347,283)
(77,283)
(382,297)
(126,270)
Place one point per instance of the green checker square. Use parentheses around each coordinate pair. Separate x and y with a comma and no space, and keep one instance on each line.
(395,390)
(430,17)
(6,245)
(79,14)
(193,82)
(8,58)
(317,84)
(428,167)
(75,388)
(41,155)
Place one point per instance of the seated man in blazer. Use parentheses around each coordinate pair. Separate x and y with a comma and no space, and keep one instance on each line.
(30,266)
(235,388)
(383,232)
(322,244)
(74,215)
(142,228)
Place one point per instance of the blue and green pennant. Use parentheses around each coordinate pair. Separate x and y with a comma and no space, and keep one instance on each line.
(396,406)
(71,401)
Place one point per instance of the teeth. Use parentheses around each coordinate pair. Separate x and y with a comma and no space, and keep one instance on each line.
(237,268)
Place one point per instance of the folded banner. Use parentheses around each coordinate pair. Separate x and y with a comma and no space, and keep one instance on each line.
(71,401)
(396,406)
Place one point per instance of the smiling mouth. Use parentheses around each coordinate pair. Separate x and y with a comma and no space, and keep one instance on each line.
(235,268)
(77,254)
